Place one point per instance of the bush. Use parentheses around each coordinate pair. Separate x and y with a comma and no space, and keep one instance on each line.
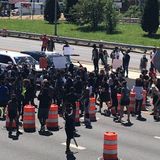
(134,11)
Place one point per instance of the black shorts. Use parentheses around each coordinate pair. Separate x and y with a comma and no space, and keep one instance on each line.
(124,102)
(12,115)
(43,113)
(69,133)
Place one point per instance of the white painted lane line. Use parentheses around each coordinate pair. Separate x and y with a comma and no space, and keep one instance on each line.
(156,137)
(74,146)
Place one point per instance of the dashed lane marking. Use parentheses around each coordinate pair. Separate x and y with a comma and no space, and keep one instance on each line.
(156,137)
(74,146)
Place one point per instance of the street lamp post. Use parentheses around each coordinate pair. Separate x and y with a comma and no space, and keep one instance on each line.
(55,17)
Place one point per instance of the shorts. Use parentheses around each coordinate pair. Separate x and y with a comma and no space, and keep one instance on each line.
(69,133)
(124,102)
(43,113)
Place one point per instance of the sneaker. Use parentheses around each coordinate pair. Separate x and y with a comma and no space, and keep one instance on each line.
(129,122)
(76,135)
(139,117)
(19,133)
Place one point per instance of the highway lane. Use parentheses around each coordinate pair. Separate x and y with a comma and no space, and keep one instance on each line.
(84,52)
(135,142)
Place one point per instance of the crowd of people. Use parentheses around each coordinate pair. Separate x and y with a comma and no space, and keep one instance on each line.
(18,87)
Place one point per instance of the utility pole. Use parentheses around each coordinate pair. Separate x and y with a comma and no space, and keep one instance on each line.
(55,17)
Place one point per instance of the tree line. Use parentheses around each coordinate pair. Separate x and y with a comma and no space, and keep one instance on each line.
(101,12)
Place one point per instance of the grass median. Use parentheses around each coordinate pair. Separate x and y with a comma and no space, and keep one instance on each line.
(126,33)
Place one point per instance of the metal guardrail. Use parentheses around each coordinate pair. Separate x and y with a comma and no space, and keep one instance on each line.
(80,42)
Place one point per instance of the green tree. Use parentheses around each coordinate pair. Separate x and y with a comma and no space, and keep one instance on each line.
(89,12)
(150,18)
(49,11)
(110,16)
(133,11)
(69,4)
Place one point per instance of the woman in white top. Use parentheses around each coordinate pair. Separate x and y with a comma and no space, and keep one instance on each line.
(138,89)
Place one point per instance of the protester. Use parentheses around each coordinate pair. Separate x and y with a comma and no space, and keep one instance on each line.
(4,96)
(138,89)
(104,95)
(125,101)
(44,105)
(51,44)
(86,103)
(115,54)
(101,54)
(95,58)
(106,56)
(152,54)
(13,115)
(143,63)
(69,126)
(125,62)
(44,40)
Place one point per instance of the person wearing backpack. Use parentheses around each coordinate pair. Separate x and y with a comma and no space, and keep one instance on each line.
(125,101)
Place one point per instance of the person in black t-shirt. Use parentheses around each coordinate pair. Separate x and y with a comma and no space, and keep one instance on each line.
(13,114)
(69,126)
(95,58)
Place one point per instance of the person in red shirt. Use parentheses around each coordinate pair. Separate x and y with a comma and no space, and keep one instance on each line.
(44,40)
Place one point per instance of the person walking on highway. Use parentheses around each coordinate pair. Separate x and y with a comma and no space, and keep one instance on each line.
(69,126)
(152,54)
(44,40)
(143,63)
(51,44)
(115,54)
(125,62)
(138,89)
(44,104)
(101,54)
(4,97)
(95,58)
(106,56)
(13,114)
(125,101)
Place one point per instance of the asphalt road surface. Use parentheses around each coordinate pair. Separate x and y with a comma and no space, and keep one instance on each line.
(141,141)
(8,43)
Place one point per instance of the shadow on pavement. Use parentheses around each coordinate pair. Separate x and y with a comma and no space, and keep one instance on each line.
(70,156)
